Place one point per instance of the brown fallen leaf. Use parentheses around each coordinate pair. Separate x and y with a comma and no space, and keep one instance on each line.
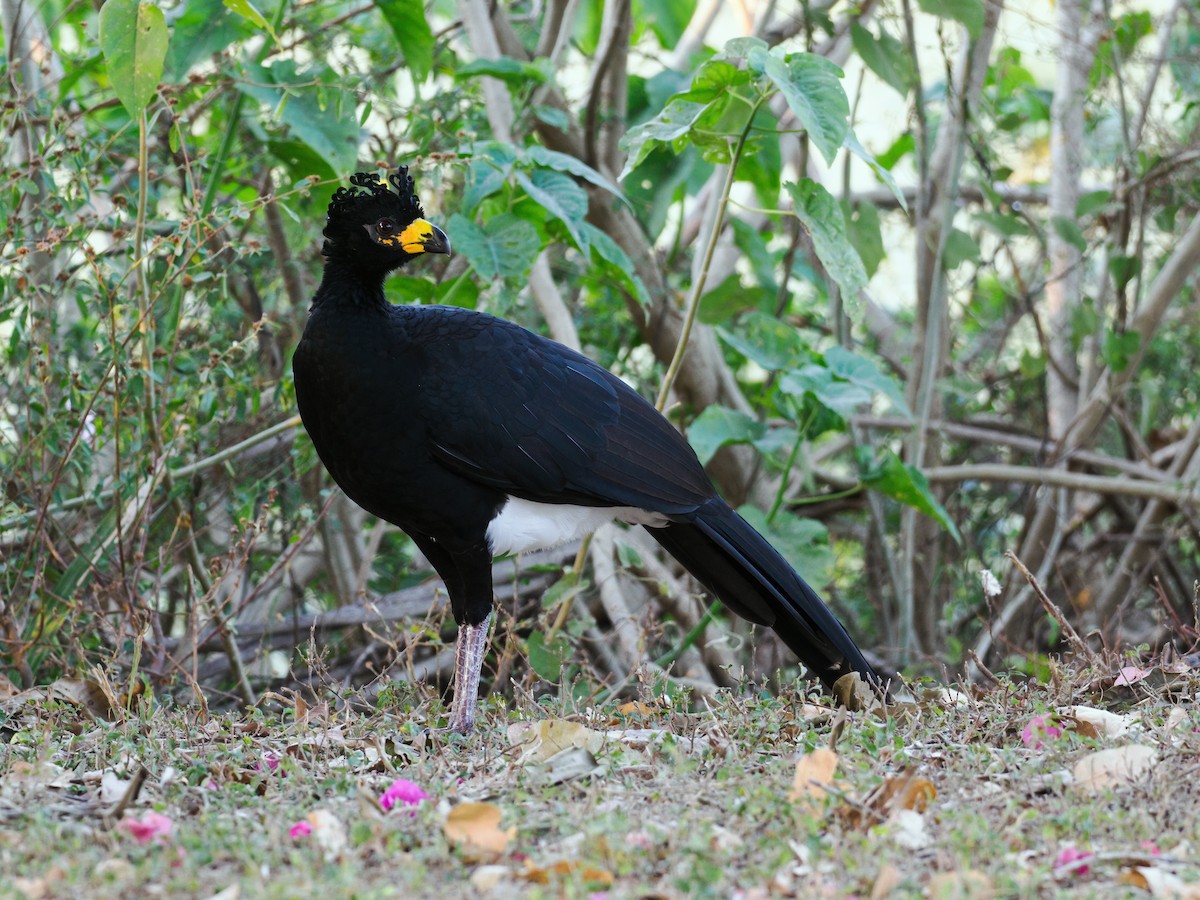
(813,771)
(562,868)
(852,692)
(1097,723)
(1165,884)
(899,792)
(474,828)
(1114,766)
(7,688)
(886,882)
(542,740)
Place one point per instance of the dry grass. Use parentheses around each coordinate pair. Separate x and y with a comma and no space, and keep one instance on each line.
(942,798)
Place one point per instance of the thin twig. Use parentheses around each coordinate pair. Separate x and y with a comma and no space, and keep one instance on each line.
(1055,613)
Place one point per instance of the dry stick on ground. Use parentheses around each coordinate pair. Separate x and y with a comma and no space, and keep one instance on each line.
(983,670)
(1055,613)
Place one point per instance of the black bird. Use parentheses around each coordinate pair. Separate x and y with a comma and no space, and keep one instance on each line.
(477,437)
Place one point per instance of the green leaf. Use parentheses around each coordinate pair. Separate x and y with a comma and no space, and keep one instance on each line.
(749,50)
(250,13)
(511,71)
(841,397)
(1005,224)
(1091,202)
(813,89)
(825,222)
(505,247)
(908,485)
(902,147)
(483,179)
(718,426)
(562,198)
(767,341)
(863,371)
(616,260)
(730,299)
(866,234)
(885,56)
(561,162)
(1123,269)
(960,248)
(204,27)
(666,18)
(1068,230)
(967,12)
(411,29)
(882,172)
(675,121)
(133,38)
(325,120)
(1119,347)
(546,659)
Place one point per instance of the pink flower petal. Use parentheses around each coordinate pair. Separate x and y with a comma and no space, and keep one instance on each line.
(1039,728)
(269,762)
(301,829)
(404,792)
(150,827)
(1068,855)
(1131,675)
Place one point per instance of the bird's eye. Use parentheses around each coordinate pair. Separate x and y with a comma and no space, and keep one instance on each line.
(385,227)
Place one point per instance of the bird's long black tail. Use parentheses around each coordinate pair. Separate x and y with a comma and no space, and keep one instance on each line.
(739,565)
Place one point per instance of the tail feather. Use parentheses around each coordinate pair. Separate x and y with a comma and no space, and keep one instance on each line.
(740,566)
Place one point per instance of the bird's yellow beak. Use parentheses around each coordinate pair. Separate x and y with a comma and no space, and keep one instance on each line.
(424,237)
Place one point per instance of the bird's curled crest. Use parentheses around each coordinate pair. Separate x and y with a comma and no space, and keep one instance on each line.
(347,201)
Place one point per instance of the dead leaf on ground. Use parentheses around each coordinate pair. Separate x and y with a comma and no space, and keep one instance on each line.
(908,829)
(572,763)
(562,869)
(88,696)
(474,828)
(814,772)
(852,692)
(886,882)
(542,740)
(1161,883)
(7,688)
(1114,766)
(903,791)
(38,887)
(487,878)
(1097,723)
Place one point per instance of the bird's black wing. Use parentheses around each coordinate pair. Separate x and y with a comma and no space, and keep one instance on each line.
(530,417)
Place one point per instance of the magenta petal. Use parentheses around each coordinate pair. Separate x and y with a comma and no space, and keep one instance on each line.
(404,792)
(300,829)
(150,827)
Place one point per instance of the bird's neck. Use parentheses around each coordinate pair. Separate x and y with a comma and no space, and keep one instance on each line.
(345,285)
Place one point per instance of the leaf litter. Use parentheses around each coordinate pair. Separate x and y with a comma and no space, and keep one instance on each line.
(744,795)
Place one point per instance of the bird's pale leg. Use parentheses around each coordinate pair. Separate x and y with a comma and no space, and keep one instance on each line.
(468,665)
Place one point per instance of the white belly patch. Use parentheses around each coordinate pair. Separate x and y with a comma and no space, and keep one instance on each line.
(523,525)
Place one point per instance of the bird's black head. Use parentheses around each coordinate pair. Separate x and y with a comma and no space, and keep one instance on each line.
(377,230)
